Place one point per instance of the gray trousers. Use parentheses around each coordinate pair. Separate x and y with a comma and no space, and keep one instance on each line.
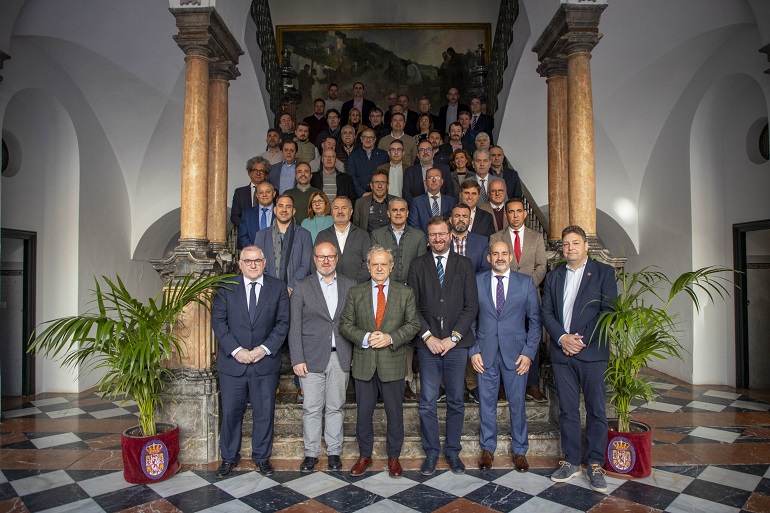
(324,398)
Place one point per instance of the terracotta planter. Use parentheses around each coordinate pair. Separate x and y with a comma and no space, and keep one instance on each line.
(150,459)
(629,454)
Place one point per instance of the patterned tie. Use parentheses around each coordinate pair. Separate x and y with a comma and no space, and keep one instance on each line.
(500,296)
(434,210)
(255,199)
(474,119)
(253,301)
(440,270)
(483,196)
(380,305)
(263,219)
(517,246)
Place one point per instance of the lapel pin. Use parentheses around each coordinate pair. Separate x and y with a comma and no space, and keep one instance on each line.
(589,274)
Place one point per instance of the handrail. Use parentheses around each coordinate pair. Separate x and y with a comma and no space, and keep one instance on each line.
(260,13)
(498,57)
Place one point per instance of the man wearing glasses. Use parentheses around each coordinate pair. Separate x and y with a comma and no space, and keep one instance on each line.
(395,167)
(245,197)
(364,160)
(415,175)
(251,320)
(431,204)
(371,211)
(320,356)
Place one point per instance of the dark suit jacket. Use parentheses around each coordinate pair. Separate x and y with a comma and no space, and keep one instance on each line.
(420,211)
(485,123)
(414,184)
(596,288)
(400,322)
(512,182)
(233,328)
(476,248)
(368,105)
(249,227)
(241,203)
(352,261)
(442,116)
(345,185)
(533,260)
(513,332)
(274,177)
(310,333)
(361,211)
(448,307)
(300,257)
(412,245)
(483,223)
(487,207)
(361,168)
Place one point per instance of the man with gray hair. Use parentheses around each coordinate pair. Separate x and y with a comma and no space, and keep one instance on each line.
(481,163)
(245,197)
(351,242)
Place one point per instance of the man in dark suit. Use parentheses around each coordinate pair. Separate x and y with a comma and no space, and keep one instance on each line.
(362,104)
(283,176)
(320,356)
(371,211)
(423,107)
(351,242)
(574,297)
(343,183)
(432,203)
(470,245)
(447,302)
(414,176)
(379,318)
(364,160)
(317,120)
(410,115)
(496,204)
(448,113)
(245,197)
(498,169)
(257,218)
(481,222)
(479,121)
(250,321)
(508,334)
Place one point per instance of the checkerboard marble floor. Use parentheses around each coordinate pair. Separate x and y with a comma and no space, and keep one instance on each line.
(711,453)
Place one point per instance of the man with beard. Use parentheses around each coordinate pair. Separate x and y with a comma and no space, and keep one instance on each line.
(397,133)
(333,128)
(317,120)
(364,160)
(306,151)
(330,143)
(286,127)
(455,141)
(331,181)
(273,152)
(463,242)
(332,101)
(371,211)
(301,193)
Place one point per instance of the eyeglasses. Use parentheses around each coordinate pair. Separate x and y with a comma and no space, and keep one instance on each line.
(317,202)
(397,150)
(424,150)
(367,137)
(256,261)
(259,171)
(325,258)
(432,178)
(437,235)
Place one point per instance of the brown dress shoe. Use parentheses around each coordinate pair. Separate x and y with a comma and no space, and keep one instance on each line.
(485,462)
(534,394)
(394,467)
(520,463)
(360,466)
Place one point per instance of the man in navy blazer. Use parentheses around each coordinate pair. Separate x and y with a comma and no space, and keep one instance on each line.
(414,184)
(574,298)
(364,160)
(430,204)
(467,244)
(250,320)
(283,176)
(479,121)
(507,335)
(257,218)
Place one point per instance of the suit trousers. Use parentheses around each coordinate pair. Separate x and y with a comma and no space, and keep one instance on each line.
(235,392)
(515,386)
(434,368)
(392,393)
(324,399)
(571,378)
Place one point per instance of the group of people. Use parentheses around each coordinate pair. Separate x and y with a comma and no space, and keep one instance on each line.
(358,275)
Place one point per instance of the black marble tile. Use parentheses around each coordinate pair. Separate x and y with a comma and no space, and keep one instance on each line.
(748,399)
(98,407)
(754,470)
(25,444)
(672,400)
(698,440)
(641,493)
(543,471)
(415,475)
(747,439)
(33,435)
(76,446)
(211,475)
(200,498)
(684,470)
(14,474)
(423,498)
(348,499)
(6,491)
(91,436)
(285,477)
(54,497)
(82,475)
(498,497)
(491,474)
(273,499)
(715,492)
(763,487)
(715,400)
(684,430)
(581,499)
(126,498)
(57,407)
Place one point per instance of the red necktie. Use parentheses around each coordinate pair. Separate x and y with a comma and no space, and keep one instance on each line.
(517,246)
(380,305)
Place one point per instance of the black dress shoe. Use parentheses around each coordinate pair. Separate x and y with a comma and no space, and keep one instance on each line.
(455,464)
(225,468)
(429,466)
(335,463)
(308,464)
(265,468)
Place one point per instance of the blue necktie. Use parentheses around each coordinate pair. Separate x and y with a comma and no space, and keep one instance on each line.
(253,301)
(440,269)
(263,219)
(434,210)
(500,296)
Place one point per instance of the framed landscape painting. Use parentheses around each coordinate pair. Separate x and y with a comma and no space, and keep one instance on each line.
(415,59)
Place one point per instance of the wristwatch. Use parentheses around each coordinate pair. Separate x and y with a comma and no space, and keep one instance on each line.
(456,337)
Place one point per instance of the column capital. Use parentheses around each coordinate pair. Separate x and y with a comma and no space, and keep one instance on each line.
(223,70)
(568,21)
(203,32)
(552,67)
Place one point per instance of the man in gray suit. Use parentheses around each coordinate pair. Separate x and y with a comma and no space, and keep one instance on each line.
(321,356)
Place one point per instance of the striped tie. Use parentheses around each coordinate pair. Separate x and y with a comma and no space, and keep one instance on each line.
(434,210)
(440,270)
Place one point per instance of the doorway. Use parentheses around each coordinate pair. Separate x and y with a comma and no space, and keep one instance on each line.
(18,267)
(751,256)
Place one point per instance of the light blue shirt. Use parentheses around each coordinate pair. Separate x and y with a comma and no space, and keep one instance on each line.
(571,287)
(375,292)
(330,295)
(398,234)
(288,175)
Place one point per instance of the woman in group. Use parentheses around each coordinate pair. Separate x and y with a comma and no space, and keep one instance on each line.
(461,166)
(424,126)
(318,214)
(354,120)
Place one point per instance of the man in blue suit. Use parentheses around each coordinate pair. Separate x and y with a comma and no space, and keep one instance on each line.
(430,204)
(507,335)
(465,243)
(364,160)
(257,218)
(283,176)
(250,320)
(574,298)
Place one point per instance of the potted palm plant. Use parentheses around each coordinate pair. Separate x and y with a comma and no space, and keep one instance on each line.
(131,342)
(639,329)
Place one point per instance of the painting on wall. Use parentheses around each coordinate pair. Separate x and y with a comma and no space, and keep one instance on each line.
(416,59)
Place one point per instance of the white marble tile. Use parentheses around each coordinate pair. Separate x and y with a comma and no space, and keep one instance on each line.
(3,479)
(112,412)
(123,404)
(456,484)
(748,405)
(386,506)
(46,402)
(688,504)
(315,484)
(52,441)
(667,480)
(767,474)
(183,482)
(702,405)
(69,412)
(723,395)
(730,478)
(104,484)
(229,507)
(661,406)
(527,482)
(536,504)
(714,434)
(40,483)
(612,482)
(84,506)
(385,486)
(12,414)
(245,484)
(662,386)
